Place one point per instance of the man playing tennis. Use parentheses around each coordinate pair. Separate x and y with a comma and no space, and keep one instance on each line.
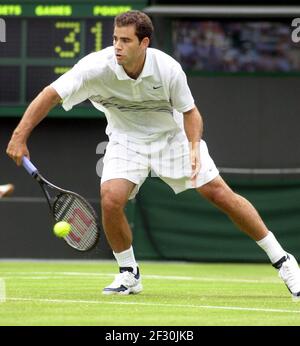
(149,108)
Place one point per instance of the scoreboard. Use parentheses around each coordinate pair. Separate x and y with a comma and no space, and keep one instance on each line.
(41,40)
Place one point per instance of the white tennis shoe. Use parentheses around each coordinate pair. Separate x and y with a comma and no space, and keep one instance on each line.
(289,272)
(125,283)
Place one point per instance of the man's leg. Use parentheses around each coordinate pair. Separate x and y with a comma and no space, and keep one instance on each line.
(246,218)
(114,196)
(238,209)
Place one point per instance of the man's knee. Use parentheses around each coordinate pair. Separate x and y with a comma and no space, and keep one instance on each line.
(111,201)
(217,192)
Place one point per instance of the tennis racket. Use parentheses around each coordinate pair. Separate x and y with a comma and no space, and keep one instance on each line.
(70,207)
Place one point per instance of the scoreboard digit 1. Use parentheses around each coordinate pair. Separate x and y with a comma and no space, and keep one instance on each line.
(40,41)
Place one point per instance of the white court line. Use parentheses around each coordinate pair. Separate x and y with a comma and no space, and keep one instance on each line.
(58,275)
(187,306)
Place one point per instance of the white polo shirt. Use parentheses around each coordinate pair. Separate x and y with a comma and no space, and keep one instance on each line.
(142,109)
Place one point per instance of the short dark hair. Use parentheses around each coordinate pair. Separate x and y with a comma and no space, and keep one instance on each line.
(143,24)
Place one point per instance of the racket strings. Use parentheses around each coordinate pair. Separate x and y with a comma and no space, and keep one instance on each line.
(84,228)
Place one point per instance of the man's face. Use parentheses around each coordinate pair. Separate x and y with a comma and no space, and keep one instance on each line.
(128,49)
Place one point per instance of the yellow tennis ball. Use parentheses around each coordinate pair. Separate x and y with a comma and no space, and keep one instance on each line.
(62,229)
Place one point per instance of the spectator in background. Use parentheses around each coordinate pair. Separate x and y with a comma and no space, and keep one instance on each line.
(6,190)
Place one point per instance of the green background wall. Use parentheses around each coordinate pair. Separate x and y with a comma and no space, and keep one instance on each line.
(187,227)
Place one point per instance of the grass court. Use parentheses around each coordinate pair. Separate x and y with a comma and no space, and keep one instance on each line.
(175,294)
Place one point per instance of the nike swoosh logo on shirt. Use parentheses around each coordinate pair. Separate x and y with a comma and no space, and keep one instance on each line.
(157,87)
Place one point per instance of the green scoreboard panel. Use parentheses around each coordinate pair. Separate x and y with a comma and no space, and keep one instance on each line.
(40,40)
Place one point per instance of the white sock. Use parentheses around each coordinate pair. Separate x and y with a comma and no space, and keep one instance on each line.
(272,248)
(126,259)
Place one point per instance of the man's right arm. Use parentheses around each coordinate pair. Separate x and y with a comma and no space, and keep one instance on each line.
(34,114)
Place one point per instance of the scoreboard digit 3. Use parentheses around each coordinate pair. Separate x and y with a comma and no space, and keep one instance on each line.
(41,40)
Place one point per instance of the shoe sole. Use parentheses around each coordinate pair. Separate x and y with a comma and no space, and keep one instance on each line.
(295,298)
(131,290)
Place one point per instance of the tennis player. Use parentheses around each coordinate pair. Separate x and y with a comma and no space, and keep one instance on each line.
(153,123)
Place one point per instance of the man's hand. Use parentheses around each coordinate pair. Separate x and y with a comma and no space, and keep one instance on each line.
(16,149)
(193,126)
(36,111)
(195,162)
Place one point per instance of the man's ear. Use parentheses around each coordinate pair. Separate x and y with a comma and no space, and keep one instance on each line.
(145,42)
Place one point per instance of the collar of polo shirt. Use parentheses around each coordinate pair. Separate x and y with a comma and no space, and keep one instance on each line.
(146,72)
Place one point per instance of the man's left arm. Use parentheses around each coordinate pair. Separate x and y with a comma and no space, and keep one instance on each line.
(193,126)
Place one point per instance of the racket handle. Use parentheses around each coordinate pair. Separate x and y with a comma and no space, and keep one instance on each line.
(30,168)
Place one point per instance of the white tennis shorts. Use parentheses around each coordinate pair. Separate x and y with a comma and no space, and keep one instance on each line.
(167,158)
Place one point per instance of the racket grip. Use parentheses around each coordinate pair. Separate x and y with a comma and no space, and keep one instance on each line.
(30,168)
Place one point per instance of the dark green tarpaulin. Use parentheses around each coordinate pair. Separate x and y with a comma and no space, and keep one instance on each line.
(187,227)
